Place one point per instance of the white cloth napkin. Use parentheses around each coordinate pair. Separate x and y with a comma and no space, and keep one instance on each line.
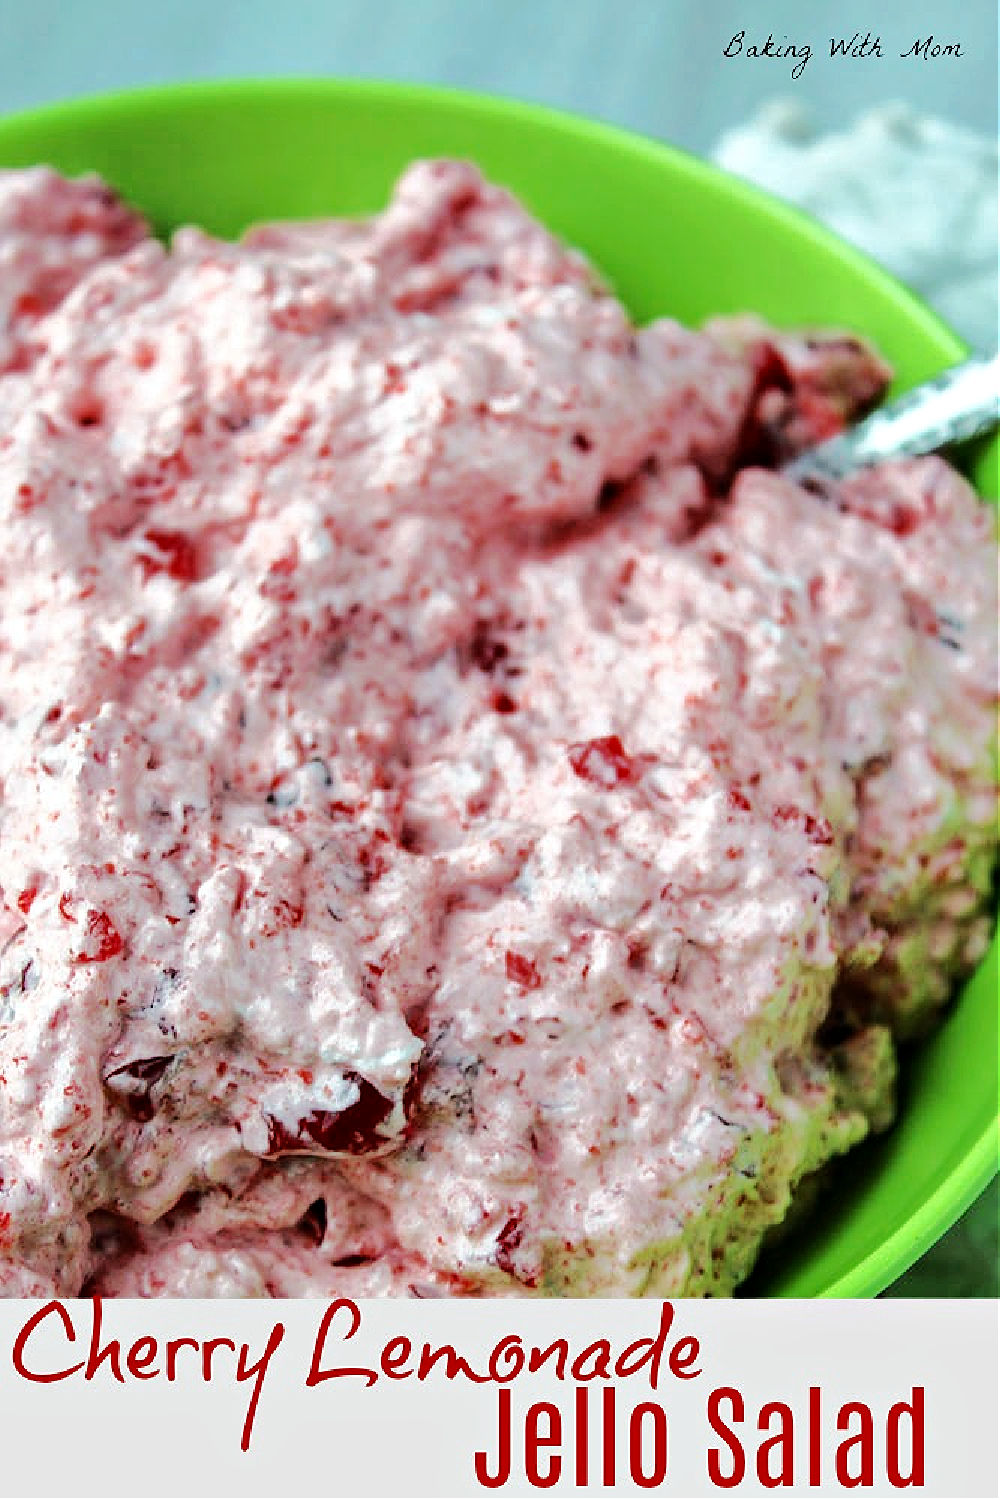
(918,194)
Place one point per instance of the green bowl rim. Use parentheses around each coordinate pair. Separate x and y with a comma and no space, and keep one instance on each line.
(952,1197)
(499,108)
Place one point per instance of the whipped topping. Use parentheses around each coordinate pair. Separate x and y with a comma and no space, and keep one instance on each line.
(467,827)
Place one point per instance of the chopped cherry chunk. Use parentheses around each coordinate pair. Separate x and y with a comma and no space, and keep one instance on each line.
(283,914)
(817,829)
(353,1131)
(508,1242)
(173,552)
(603,761)
(522,970)
(104,941)
(485,650)
(889,514)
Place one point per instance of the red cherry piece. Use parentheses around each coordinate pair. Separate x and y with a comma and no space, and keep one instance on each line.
(353,1131)
(522,970)
(173,552)
(603,761)
(104,941)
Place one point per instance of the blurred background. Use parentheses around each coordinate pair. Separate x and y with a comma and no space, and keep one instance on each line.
(654,65)
(920,196)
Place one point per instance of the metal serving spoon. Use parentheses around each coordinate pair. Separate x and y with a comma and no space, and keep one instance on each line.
(961,403)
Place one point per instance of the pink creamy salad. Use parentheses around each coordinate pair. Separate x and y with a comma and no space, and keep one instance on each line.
(468,827)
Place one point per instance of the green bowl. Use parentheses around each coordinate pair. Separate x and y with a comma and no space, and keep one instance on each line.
(675,237)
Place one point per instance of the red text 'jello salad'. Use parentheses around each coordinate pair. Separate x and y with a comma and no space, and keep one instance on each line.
(468,825)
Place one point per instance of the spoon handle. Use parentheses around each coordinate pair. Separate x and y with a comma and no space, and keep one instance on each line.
(960,403)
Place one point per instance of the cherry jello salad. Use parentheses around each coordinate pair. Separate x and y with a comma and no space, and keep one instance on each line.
(469,825)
